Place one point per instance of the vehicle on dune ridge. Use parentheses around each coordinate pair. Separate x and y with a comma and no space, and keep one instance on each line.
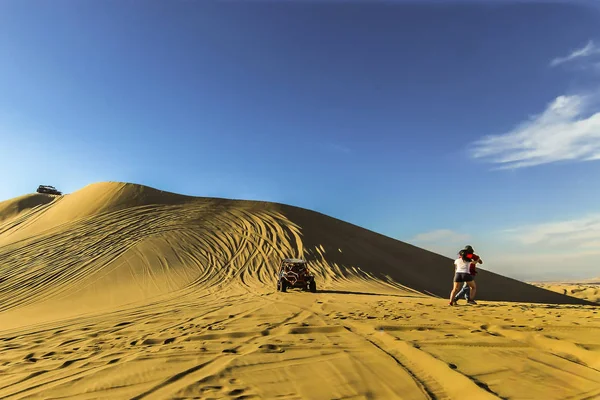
(47,189)
(294,273)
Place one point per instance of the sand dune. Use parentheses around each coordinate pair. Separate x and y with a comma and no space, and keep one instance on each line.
(124,291)
(587,290)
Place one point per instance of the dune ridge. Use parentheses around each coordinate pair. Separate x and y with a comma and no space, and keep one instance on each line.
(125,291)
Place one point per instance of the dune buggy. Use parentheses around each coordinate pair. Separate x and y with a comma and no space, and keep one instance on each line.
(48,189)
(294,273)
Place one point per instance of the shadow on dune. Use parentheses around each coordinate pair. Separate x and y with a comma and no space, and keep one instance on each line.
(13,207)
(385,258)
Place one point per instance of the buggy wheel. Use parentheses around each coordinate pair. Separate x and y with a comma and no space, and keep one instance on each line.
(283,285)
(313,286)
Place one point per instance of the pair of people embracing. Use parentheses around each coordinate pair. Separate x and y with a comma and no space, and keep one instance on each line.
(464,275)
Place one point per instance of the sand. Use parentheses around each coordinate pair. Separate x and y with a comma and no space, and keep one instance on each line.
(588,289)
(124,291)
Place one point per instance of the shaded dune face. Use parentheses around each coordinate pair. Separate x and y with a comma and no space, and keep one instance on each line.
(111,244)
(21,207)
(392,260)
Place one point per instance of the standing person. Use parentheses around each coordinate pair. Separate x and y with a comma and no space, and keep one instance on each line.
(469,254)
(462,275)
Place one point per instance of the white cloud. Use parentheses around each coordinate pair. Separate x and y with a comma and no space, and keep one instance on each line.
(569,128)
(564,131)
(581,233)
(589,49)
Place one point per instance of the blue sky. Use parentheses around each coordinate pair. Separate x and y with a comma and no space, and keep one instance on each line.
(436,124)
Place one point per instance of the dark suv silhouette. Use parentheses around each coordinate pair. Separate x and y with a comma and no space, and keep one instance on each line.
(48,190)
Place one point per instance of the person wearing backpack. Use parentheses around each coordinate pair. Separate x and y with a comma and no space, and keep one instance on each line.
(465,269)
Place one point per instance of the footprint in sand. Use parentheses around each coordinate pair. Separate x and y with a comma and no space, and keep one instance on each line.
(213,388)
(230,351)
(236,392)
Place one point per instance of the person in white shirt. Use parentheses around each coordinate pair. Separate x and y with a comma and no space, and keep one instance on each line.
(462,275)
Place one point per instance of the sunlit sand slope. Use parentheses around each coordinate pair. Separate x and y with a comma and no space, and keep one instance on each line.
(587,290)
(124,291)
(111,244)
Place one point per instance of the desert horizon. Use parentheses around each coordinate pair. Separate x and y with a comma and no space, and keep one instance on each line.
(120,290)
